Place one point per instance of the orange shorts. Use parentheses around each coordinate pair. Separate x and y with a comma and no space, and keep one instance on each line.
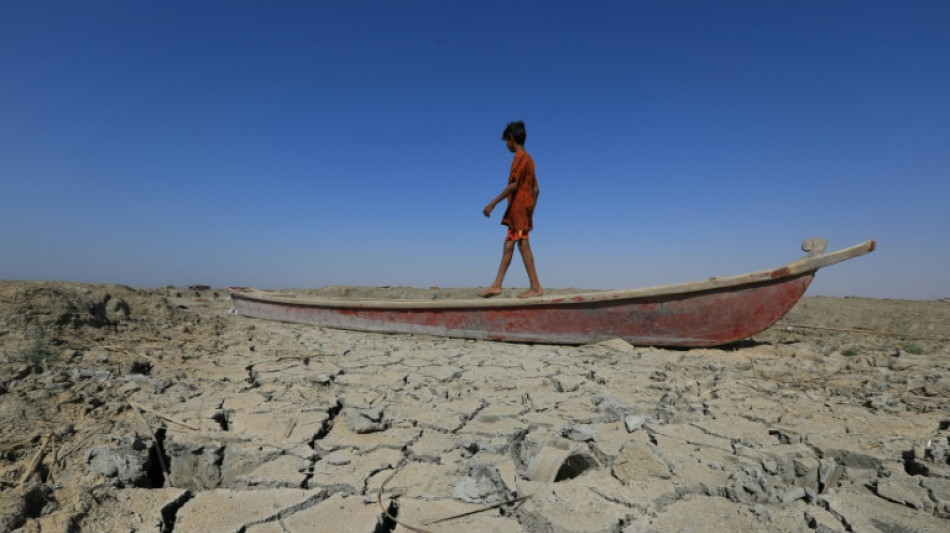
(516,235)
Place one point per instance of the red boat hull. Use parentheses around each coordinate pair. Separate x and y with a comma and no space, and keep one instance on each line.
(704,313)
(706,318)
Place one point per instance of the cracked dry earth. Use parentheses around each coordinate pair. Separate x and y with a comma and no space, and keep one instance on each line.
(156,410)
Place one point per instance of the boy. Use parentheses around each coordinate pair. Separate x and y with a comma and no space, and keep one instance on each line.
(522,194)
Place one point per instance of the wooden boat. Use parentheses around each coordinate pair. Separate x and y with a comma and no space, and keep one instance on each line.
(704,313)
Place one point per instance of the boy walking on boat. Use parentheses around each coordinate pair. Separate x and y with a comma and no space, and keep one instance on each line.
(522,194)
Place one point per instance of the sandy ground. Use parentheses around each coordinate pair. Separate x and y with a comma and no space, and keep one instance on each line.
(157,410)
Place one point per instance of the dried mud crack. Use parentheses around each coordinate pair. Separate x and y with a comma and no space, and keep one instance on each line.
(129,409)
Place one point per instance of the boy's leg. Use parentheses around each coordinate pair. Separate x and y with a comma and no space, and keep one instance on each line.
(528,257)
(506,255)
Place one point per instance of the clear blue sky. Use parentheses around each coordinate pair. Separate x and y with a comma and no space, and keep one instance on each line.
(301,144)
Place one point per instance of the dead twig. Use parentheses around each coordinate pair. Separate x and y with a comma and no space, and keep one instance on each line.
(8,446)
(845,330)
(74,392)
(128,351)
(37,459)
(164,416)
(158,450)
(78,389)
(486,508)
(52,464)
(928,398)
(755,376)
(292,358)
(379,502)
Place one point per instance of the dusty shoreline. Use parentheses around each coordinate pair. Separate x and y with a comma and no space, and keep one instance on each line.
(836,419)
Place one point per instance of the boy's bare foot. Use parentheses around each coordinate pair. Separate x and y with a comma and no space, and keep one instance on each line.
(531,293)
(489,292)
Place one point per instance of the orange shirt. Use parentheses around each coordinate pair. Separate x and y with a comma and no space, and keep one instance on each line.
(520,209)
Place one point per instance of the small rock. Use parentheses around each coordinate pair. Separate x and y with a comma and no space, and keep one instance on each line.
(806,472)
(747,485)
(791,494)
(634,422)
(126,466)
(611,406)
(578,432)
(336,459)
(84,373)
(617,344)
(829,474)
(482,482)
(141,380)
(938,451)
(365,420)
(763,513)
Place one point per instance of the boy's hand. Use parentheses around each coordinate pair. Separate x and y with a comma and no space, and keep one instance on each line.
(487,210)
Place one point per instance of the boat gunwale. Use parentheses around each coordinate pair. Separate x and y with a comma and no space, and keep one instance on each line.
(805,265)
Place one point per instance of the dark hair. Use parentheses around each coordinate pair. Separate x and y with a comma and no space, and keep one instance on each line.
(515,130)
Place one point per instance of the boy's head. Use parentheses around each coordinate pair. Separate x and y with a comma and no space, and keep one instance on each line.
(515,131)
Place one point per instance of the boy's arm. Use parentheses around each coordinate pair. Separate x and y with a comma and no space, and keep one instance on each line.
(512,187)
